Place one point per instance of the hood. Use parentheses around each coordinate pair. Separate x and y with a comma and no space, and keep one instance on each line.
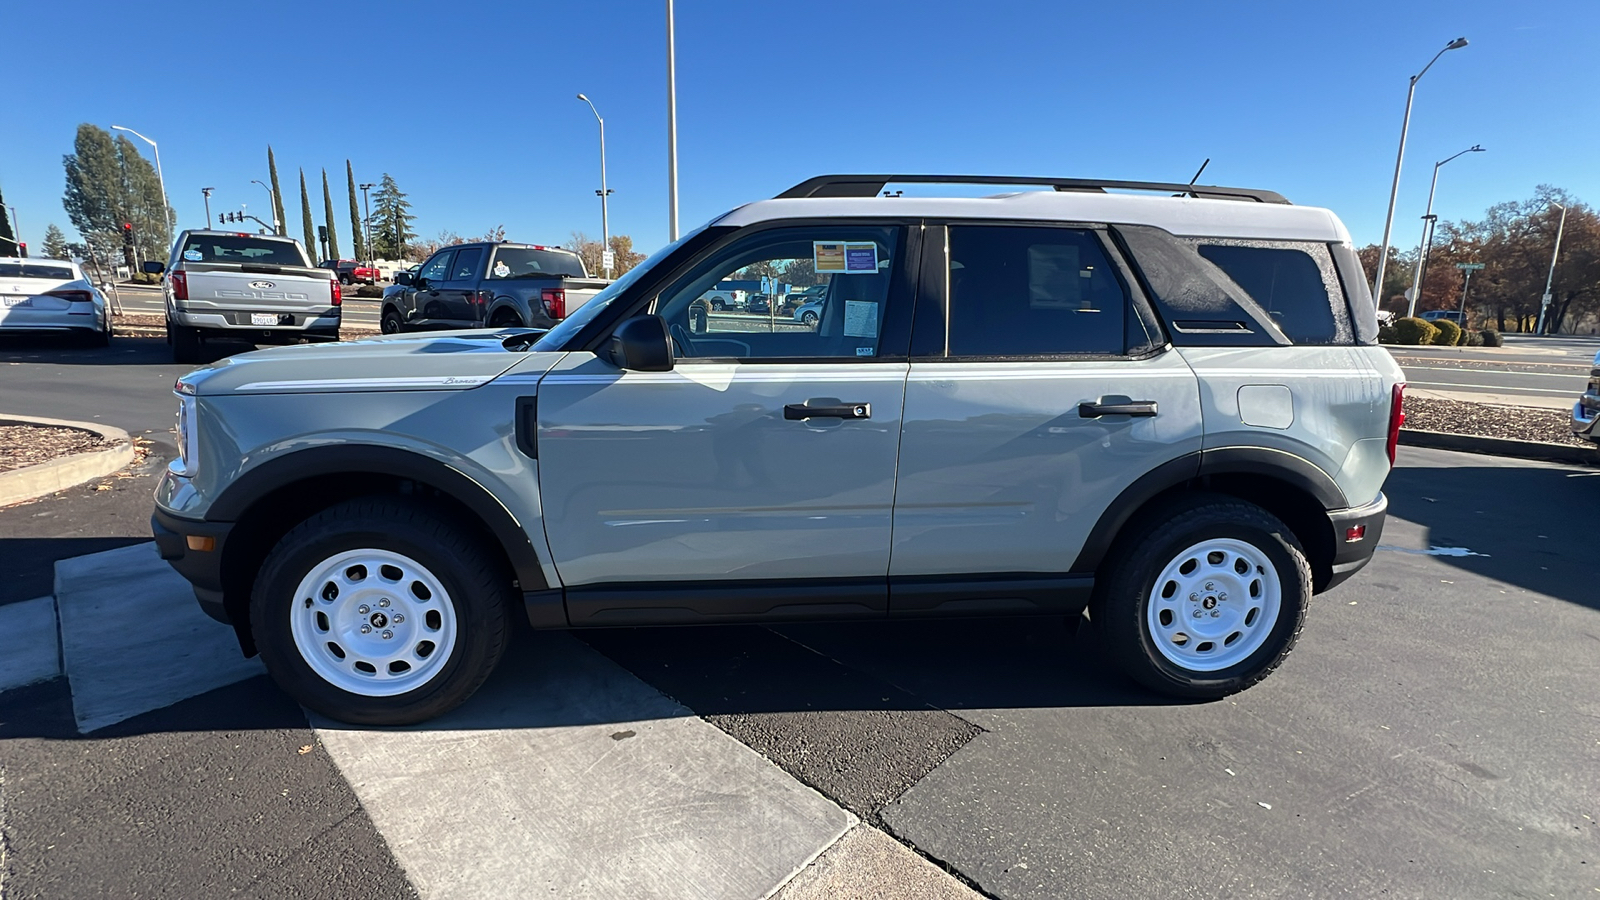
(448,361)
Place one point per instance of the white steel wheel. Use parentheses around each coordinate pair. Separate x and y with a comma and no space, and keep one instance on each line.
(1214,605)
(373,622)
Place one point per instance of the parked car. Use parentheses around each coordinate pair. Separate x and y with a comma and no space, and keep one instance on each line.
(489,284)
(248,287)
(1434,315)
(352,272)
(809,312)
(1586,412)
(1171,411)
(721,300)
(51,296)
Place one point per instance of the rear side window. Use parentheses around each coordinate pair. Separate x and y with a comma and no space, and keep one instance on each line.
(241,248)
(465,267)
(1294,284)
(1034,291)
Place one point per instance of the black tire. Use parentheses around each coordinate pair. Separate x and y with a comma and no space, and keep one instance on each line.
(479,587)
(344,279)
(185,343)
(99,338)
(718,305)
(391,322)
(505,318)
(809,318)
(1121,604)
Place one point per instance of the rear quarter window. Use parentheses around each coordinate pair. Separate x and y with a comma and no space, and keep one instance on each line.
(1294,283)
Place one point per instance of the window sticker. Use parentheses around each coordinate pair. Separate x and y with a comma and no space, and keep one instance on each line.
(501,270)
(844,257)
(865,351)
(860,318)
(193,255)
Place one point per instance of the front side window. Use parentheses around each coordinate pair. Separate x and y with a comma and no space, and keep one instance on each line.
(1034,291)
(438,267)
(818,292)
(465,268)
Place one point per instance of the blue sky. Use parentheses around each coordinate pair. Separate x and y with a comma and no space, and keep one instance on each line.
(471,106)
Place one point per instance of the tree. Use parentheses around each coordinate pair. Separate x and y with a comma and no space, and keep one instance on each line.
(1396,277)
(277,195)
(391,220)
(55,243)
(588,249)
(327,216)
(8,234)
(356,238)
(312,247)
(109,183)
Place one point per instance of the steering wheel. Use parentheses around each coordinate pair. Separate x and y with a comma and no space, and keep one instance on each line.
(680,336)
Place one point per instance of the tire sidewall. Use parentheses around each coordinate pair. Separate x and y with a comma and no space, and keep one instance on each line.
(274,599)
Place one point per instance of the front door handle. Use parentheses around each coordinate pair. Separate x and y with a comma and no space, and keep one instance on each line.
(840,411)
(1123,408)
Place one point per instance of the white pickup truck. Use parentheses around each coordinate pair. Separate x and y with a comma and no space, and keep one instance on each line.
(258,288)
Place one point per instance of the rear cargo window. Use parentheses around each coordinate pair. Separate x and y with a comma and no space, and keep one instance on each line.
(530,262)
(1295,284)
(241,248)
(30,270)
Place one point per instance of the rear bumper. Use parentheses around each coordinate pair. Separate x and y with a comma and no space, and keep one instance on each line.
(1349,556)
(240,321)
(201,568)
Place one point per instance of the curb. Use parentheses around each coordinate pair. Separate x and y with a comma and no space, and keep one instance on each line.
(46,478)
(1471,443)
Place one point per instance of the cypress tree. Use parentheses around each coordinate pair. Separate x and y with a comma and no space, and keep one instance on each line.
(305,210)
(277,195)
(327,216)
(8,234)
(359,237)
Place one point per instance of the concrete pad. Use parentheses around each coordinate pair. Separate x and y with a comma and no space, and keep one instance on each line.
(133,639)
(28,648)
(867,864)
(566,776)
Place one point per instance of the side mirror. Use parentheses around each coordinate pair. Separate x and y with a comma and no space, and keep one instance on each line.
(642,345)
(151,267)
(402,278)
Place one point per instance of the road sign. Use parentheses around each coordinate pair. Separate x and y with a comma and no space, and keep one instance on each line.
(766,284)
(1473,267)
(608,259)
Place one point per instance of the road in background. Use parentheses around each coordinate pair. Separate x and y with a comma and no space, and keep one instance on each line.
(1545,372)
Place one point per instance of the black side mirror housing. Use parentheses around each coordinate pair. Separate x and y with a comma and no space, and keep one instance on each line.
(403,278)
(152,267)
(641,344)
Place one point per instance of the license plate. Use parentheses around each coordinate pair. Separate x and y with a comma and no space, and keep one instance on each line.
(13,300)
(263,319)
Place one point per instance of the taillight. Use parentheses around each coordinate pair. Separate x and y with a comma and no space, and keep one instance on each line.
(338,292)
(180,285)
(1397,417)
(72,296)
(484,297)
(555,302)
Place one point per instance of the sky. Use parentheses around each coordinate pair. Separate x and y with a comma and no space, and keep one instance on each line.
(472,107)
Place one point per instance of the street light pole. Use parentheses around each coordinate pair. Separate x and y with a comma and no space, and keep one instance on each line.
(207,193)
(672,131)
(1425,246)
(1544,302)
(604,192)
(366,223)
(166,208)
(272,200)
(1394,189)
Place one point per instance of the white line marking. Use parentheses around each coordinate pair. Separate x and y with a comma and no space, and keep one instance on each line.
(1488,372)
(1432,551)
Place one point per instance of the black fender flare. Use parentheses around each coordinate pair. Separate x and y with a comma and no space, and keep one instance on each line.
(259,482)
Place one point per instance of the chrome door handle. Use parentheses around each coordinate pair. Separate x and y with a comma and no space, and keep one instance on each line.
(1127,408)
(841,411)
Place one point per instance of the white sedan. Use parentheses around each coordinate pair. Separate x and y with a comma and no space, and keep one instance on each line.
(49,295)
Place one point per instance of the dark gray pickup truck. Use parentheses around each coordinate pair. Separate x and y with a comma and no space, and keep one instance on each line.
(489,285)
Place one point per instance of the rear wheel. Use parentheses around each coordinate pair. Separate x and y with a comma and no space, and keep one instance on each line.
(505,318)
(1205,600)
(185,343)
(344,279)
(380,612)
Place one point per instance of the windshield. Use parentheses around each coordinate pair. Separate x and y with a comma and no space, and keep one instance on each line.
(34,270)
(571,325)
(241,248)
(526,262)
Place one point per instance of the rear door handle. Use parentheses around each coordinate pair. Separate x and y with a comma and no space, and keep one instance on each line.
(841,411)
(1125,408)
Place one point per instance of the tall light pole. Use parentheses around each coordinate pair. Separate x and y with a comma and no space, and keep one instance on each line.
(604,192)
(206,192)
(367,221)
(672,131)
(1425,246)
(166,208)
(1394,189)
(1544,302)
(272,201)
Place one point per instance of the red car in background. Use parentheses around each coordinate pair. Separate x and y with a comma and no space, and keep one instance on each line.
(351,271)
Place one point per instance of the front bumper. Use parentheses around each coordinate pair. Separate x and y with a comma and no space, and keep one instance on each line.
(1349,556)
(182,543)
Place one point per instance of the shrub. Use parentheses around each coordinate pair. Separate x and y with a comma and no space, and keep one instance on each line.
(367,290)
(1414,331)
(1472,338)
(1447,333)
(1386,334)
(1491,338)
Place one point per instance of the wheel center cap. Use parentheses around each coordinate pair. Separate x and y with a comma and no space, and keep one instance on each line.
(379,620)
(1209,603)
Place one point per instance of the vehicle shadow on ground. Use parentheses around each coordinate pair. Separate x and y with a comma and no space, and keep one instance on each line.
(125,350)
(1535,524)
(28,564)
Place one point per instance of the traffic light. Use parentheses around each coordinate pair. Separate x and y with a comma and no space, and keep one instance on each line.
(127,234)
(322,232)
(222,218)
(22,249)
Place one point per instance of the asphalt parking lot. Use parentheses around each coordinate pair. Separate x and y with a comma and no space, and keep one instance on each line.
(1435,734)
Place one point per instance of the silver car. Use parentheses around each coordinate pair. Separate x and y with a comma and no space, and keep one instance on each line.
(51,296)
(1170,411)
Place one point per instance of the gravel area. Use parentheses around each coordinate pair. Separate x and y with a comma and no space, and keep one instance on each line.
(1548,426)
(29,445)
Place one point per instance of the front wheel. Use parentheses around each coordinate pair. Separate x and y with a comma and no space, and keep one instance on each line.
(380,612)
(1206,600)
(809,318)
(391,322)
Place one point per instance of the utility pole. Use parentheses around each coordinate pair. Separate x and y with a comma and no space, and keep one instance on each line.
(672,132)
(1425,246)
(1544,302)
(366,223)
(207,193)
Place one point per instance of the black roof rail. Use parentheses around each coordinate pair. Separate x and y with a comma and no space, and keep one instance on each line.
(872,185)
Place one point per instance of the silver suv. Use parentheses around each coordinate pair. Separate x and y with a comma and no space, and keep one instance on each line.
(1168,411)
